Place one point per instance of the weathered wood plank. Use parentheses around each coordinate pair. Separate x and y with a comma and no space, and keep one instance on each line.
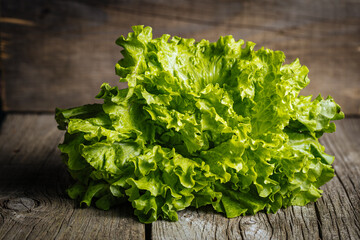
(339,209)
(57,53)
(292,223)
(335,216)
(33,203)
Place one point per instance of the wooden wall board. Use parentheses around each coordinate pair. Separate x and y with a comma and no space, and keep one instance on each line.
(33,179)
(57,53)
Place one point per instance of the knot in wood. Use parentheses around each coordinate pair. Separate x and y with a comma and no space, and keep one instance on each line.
(22,204)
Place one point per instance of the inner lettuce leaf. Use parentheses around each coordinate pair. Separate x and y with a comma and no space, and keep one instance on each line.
(200,124)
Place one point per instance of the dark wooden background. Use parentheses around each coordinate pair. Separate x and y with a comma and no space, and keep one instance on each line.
(57,53)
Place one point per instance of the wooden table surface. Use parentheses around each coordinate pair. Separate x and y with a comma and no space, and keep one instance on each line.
(33,203)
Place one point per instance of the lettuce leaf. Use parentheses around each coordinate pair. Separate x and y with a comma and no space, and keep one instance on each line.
(200,124)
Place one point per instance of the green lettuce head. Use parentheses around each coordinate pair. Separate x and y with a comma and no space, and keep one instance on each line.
(200,124)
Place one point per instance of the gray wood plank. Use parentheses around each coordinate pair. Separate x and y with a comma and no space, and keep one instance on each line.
(292,223)
(339,209)
(33,179)
(334,216)
(57,53)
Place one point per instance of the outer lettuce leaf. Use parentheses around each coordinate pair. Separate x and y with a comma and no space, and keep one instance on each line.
(200,124)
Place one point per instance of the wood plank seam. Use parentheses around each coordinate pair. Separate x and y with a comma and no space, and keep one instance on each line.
(148,232)
(319,223)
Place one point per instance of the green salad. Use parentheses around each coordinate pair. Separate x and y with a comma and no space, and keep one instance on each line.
(200,123)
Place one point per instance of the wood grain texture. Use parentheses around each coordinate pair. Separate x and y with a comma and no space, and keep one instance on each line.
(334,216)
(292,223)
(33,203)
(57,53)
(339,209)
